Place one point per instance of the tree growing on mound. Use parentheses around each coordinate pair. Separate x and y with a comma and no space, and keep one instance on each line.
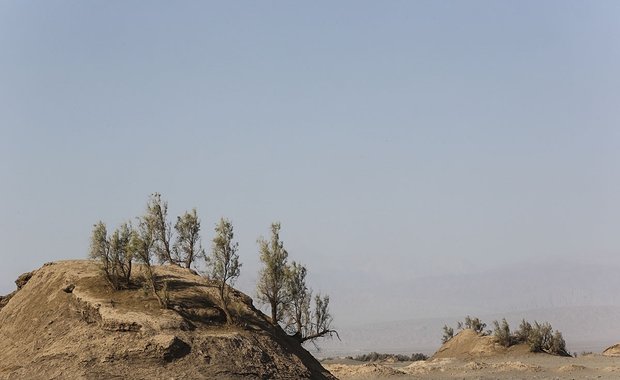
(298,311)
(302,323)
(157,218)
(448,333)
(272,277)
(470,323)
(187,246)
(142,243)
(114,253)
(474,324)
(502,333)
(284,288)
(224,262)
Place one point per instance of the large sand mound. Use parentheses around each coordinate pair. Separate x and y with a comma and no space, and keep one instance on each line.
(467,344)
(65,323)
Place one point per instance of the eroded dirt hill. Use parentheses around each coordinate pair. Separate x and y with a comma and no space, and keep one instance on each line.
(65,322)
(467,344)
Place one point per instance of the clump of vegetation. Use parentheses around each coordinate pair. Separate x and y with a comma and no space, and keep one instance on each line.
(470,323)
(375,356)
(502,333)
(152,239)
(540,337)
(448,333)
(114,253)
(473,324)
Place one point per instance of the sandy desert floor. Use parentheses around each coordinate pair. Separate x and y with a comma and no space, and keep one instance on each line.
(532,366)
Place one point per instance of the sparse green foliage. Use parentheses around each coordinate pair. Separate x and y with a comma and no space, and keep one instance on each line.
(502,333)
(542,338)
(142,243)
(298,311)
(271,287)
(302,323)
(448,333)
(322,320)
(114,253)
(524,331)
(475,324)
(187,247)
(224,262)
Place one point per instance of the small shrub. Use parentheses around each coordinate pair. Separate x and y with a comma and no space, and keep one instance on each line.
(114,253)
(522,334)
(475,324)
(448,333)
(375,356)
(502,333)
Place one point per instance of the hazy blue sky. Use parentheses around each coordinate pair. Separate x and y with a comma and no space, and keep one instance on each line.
(392,139)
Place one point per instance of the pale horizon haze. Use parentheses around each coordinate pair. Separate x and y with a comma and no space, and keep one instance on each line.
(399,143)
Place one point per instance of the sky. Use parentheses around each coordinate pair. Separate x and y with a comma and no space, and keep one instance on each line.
(392,140)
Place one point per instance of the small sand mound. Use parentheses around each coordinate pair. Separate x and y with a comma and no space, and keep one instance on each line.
(611,369)
(468,344)
(343,371)
(423,367)
(475,366)
(571,368)
(613,350)
(515,366)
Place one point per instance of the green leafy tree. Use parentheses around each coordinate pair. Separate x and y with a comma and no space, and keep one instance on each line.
(224,262)
(271,287)
(100,249)
(187,247)
(142,244)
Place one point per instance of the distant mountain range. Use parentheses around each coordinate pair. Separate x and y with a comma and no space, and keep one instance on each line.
(580,300)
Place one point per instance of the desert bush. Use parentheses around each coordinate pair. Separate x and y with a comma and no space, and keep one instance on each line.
(502,333)
(543,339)
(375,356)
(522,334)
(475,324)
(540,337)
(114,253)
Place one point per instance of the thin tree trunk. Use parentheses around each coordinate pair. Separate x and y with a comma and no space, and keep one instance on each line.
(274,313)
(222,289)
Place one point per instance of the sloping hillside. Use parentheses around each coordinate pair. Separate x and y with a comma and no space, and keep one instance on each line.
(66,323)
